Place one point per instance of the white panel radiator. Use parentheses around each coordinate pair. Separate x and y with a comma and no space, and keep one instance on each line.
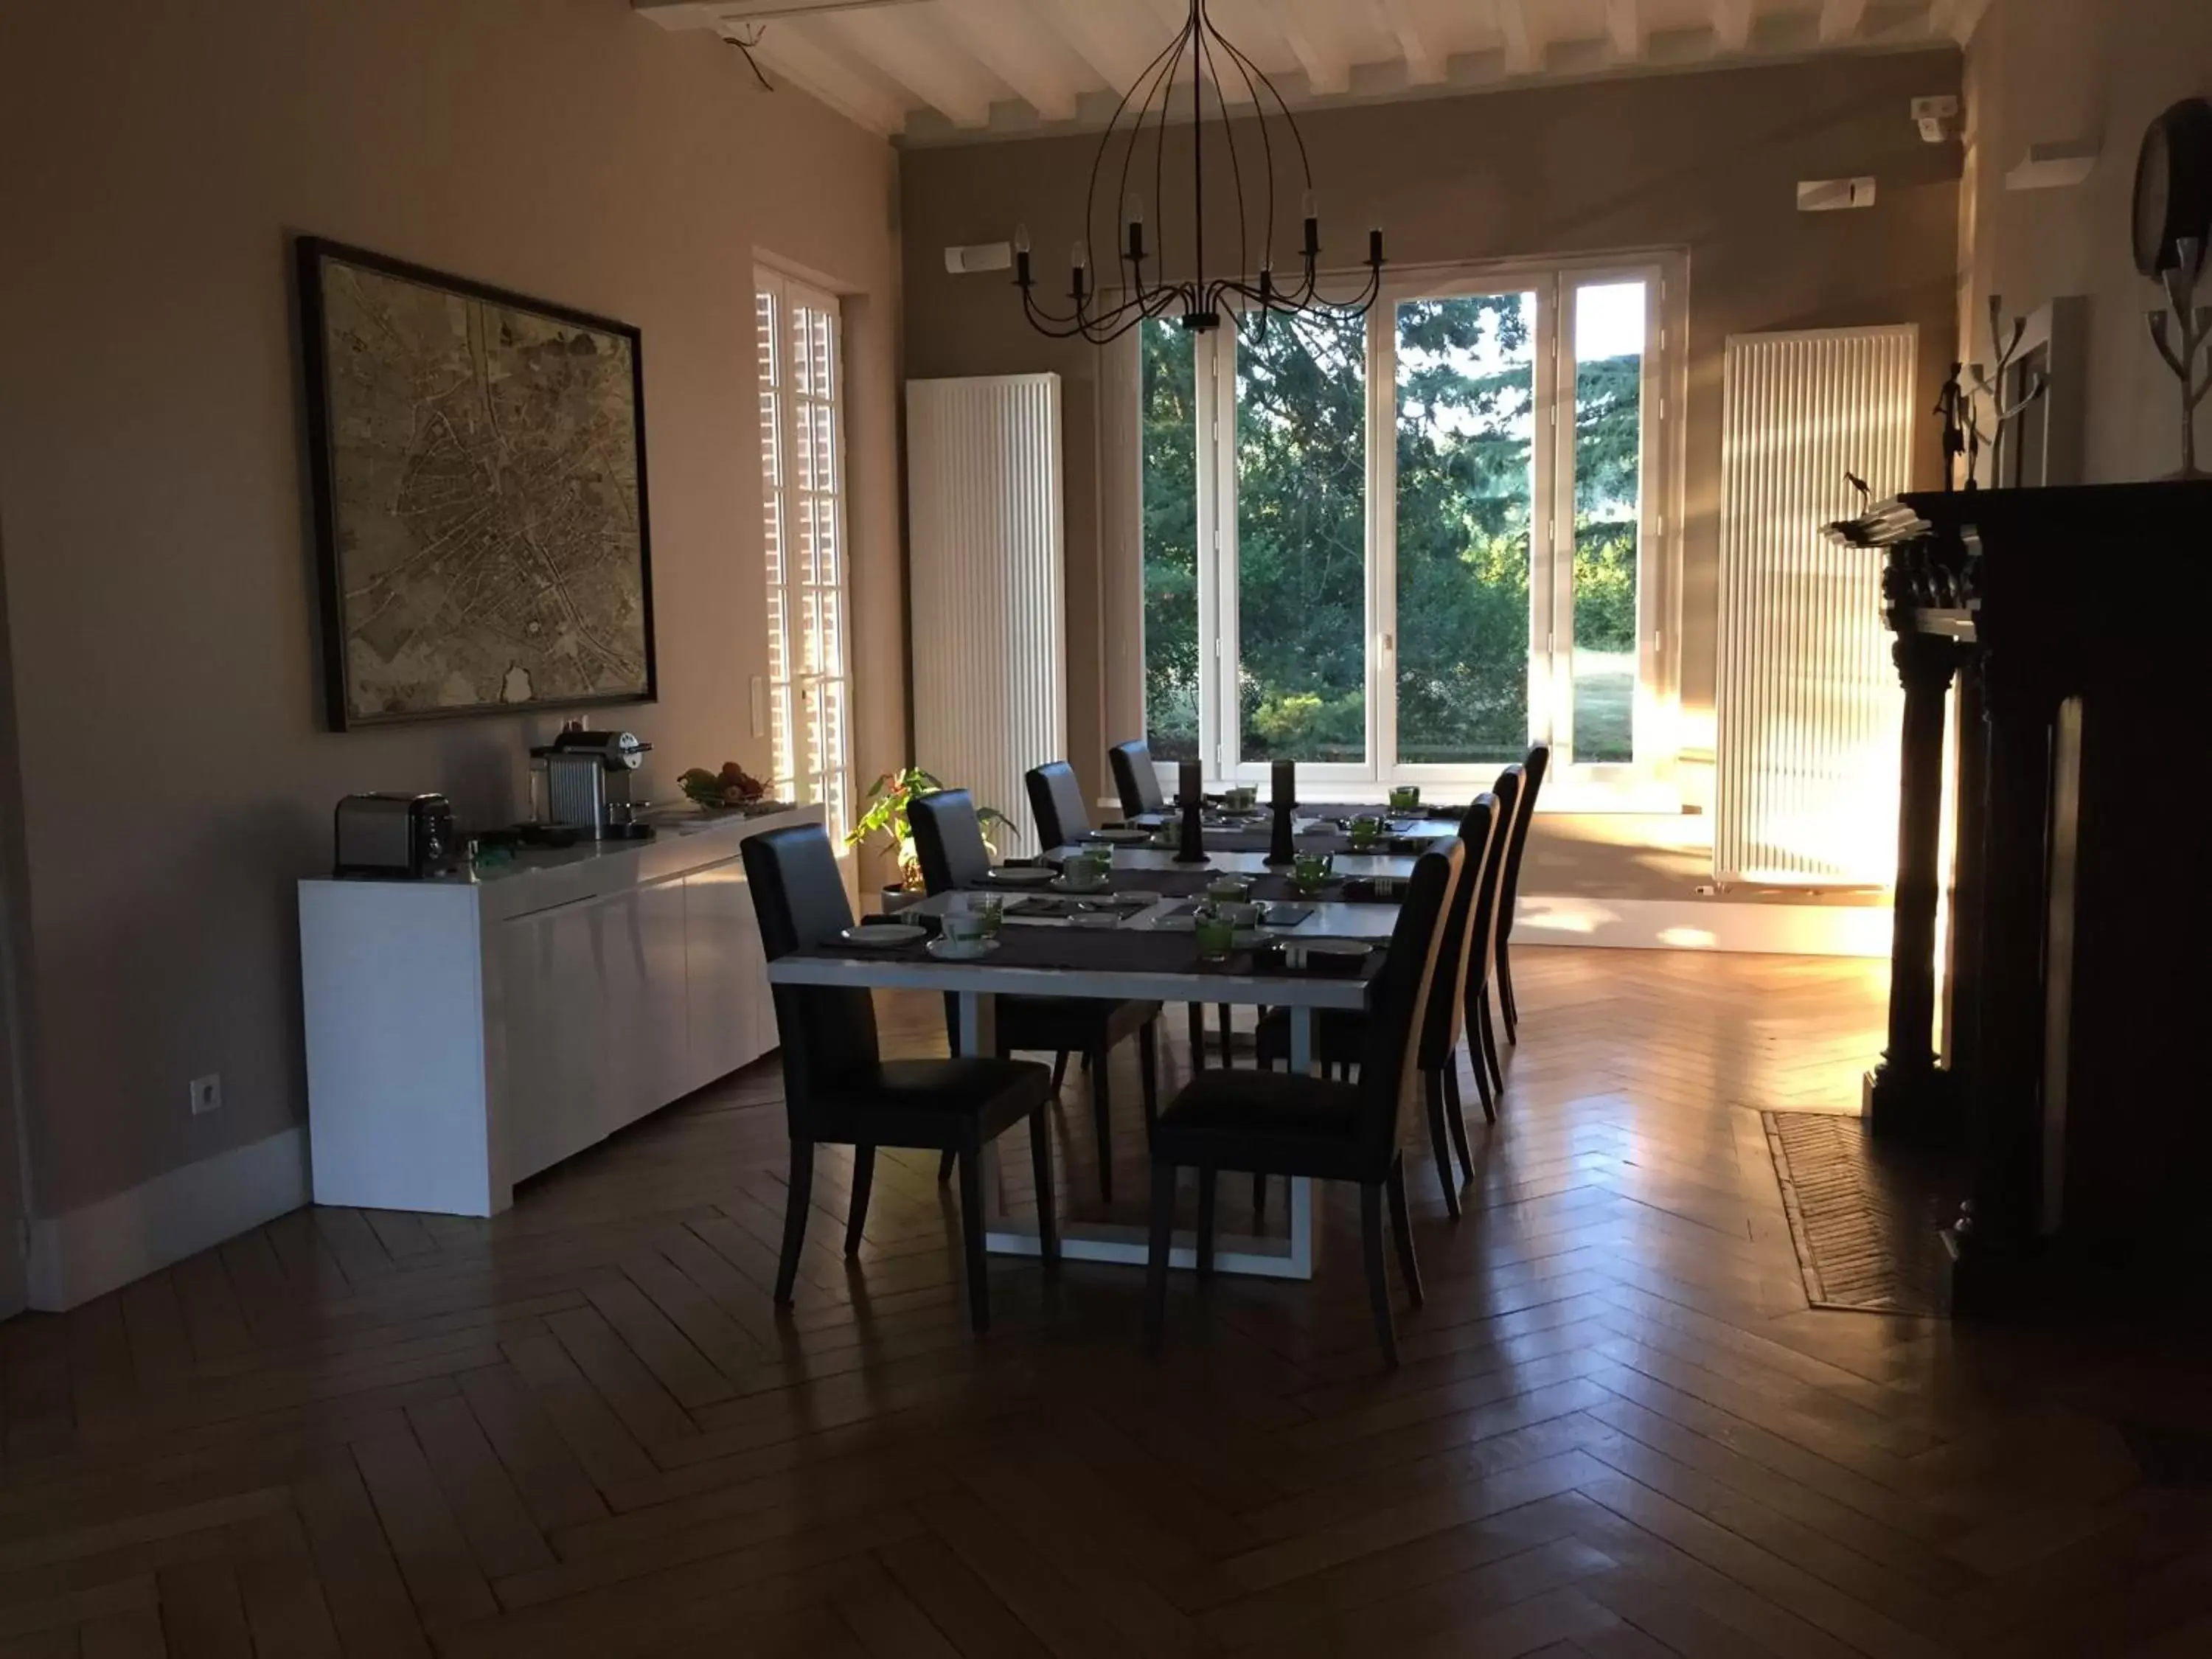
(1809,703)
(989,641)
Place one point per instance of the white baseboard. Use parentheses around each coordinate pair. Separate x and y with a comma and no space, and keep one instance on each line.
(1790,930)
(106,1245)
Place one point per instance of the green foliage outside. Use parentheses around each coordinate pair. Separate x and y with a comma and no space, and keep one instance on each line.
(1464,398)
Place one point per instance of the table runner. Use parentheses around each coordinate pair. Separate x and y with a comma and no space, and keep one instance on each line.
(1076,949)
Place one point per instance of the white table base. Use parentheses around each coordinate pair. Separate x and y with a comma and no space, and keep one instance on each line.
(1290,1257)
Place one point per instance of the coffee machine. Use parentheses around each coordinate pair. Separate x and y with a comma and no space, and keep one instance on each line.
(589,777)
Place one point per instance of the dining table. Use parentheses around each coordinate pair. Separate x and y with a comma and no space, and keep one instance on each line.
(1132,938)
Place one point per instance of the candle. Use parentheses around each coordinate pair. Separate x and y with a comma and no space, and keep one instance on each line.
(1285,793)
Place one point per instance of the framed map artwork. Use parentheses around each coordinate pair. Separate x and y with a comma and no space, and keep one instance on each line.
(479,481)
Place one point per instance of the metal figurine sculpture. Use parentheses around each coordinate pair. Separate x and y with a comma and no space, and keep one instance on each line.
(1951,407)
(2192,323)
(1991,385)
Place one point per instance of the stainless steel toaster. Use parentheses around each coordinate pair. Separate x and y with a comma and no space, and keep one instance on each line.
(403,835)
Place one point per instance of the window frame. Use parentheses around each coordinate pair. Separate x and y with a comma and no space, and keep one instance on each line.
(1643,784)
(782,410)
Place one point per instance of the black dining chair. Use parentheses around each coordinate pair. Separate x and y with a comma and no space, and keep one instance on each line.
(1482,946)
(1056,804)
(1535,764)
(1137,784)
(839,1090)
(1340,1038)
(1281,1123)
(948,842)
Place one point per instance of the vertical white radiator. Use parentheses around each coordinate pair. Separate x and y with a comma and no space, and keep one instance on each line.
(1808,699)
(989,637)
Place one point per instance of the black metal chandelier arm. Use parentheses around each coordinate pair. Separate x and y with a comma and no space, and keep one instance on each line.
(1205,58)
(1106,139)
(1251,69)
(1160,70)
(1248,69)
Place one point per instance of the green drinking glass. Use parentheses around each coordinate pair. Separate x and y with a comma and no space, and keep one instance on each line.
(1310,873)
(1216,935)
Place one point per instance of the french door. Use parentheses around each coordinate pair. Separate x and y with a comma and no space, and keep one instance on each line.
(1400,549)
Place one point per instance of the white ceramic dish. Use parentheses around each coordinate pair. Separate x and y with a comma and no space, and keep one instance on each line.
(1121,837)
(1062,885)
(884,935)
(961,949)
(1098,920)
(1336,947)
(1024,875)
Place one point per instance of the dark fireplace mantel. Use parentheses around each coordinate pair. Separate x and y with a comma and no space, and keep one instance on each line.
(2074,1003)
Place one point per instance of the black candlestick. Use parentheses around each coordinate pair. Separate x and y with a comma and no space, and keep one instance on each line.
(1193,789)
(1280,849)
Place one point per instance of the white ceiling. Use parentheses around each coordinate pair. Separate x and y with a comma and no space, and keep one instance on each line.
(934,71)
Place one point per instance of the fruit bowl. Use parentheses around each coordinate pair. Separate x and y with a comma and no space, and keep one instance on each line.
(731,787)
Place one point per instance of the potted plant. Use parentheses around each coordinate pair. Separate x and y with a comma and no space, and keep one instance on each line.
(886,817)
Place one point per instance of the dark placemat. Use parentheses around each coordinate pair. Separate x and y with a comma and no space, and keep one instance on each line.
(1119,950)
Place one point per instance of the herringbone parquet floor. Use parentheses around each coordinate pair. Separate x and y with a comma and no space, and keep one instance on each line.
(581,1430)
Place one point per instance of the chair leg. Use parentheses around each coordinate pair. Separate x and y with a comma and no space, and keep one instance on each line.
(1481,1073)
(1197,1011)
(864,1181)
(1259,1198)
(971,1235)
(1401,1227)
(1227,1052)
(1489,1046)
(1102,1121)
(1378,1275)
(796,1203)
(1059,1069)
(1433,1083)
(1207,1183)
(1510,1008)
(1455,1115)
(1148,1062)
(1156,1253)
(1041,1177)
(945,1166)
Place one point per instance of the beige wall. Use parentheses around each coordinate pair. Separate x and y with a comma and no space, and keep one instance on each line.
(174,778)
(1704,162)
(2046,72)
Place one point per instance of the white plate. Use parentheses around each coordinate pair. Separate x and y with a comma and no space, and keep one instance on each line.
(961,949)
(1062,885)
(1097,920)
(884,935)
(1121,837)
(1023,875)
(1336,947)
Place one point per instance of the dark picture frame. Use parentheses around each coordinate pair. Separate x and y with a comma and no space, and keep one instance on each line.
(363,511)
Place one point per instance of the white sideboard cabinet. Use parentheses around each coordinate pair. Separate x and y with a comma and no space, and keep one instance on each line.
(464,1034)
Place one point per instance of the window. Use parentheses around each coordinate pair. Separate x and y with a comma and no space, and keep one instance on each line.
(802,538)
(1400,549)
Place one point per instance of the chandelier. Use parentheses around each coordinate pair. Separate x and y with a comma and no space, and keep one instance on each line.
(1135,141)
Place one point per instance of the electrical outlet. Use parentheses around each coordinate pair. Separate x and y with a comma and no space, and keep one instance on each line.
(207,1094)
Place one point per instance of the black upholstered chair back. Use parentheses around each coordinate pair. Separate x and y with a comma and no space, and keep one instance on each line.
(1482,920)
(1399,998)
(1134,779)
(948,840)
(1056,803)
(1440,1026)
(827,1032)
(1533,765)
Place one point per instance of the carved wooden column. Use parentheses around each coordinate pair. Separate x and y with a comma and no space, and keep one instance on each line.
(1963,982)
(1907,1095)
(1997,1231)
